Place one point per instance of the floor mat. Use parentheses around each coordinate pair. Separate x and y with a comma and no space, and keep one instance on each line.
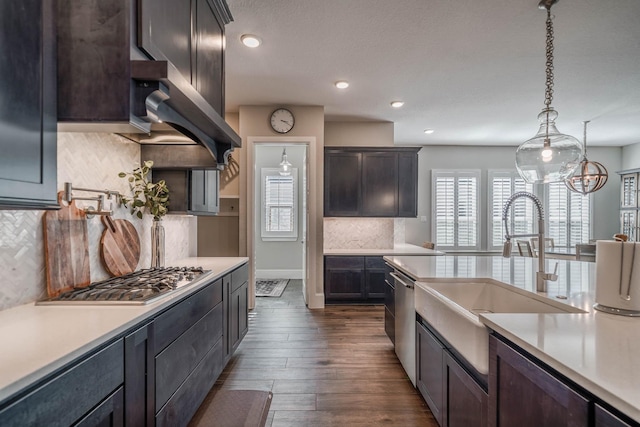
(270,288)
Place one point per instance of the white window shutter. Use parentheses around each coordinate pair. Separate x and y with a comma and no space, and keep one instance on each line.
(522,215)
(279,205)
(569,215)
(456,213)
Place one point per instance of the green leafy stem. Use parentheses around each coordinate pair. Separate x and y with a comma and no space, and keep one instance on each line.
(146,194)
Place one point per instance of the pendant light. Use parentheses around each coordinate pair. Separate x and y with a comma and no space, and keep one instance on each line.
(549,156)
(285,166)
(588,176)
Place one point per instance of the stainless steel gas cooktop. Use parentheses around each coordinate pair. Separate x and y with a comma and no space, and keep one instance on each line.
(139,287)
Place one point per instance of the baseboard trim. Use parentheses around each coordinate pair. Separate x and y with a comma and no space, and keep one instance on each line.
(279,274)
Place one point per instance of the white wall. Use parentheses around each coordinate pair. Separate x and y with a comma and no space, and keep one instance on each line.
(605,201)
(278,260)
(630,157)
(369,134)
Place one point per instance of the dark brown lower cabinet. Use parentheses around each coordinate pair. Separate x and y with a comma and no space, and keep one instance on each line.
(375,271)
(465,402)
(525,395)
(605,418)
(454,396)
(138,361)
(155,374)
(84,392)
(357,279)
(524,392)
(181,407)
(343,278)
(239,325)
(110,413)
(390,308)
(235,296)
(430,370)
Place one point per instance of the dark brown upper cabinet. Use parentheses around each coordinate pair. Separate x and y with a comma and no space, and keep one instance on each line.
(190,35)
(342,170)
(371,182)
(208,66)
(28,105)
(98,40)
(152,70)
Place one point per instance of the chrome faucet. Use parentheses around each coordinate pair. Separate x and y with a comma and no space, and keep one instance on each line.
(541,276)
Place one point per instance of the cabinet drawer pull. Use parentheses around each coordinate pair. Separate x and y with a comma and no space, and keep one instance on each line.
(402,280)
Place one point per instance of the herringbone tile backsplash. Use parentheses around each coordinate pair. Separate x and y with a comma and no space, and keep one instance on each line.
(88,160)
(358,233)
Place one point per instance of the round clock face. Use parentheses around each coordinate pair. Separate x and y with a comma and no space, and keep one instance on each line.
(282,120)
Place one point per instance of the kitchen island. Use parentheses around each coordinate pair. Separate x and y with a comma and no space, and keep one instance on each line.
(596,351)
(44,343)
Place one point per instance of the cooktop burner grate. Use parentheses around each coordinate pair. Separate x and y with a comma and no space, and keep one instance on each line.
(139,287)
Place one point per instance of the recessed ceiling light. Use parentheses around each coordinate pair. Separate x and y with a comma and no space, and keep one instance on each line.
(250,40)
(397,104)
(342,84)
(429,131)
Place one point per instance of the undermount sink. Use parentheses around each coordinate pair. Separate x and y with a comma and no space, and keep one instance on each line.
(452,309)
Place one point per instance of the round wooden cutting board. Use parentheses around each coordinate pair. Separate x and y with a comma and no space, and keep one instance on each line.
(119,246)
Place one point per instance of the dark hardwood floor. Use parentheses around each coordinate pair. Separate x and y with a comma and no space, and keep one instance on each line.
(331,367)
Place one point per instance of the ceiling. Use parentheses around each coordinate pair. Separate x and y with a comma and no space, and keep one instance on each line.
(474,71)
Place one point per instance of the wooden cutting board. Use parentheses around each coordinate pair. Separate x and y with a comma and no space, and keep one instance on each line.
(119,246)
(66,245)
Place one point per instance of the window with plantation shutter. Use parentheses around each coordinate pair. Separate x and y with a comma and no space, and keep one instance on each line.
(455,209)
(522,215)
(568,215)
(279,205)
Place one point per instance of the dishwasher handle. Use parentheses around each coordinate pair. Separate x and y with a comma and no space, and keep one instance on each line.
(401,280)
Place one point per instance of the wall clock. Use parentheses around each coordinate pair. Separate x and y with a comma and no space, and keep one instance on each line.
(282,120)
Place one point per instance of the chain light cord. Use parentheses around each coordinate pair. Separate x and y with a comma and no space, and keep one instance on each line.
(548,94)
(584,139)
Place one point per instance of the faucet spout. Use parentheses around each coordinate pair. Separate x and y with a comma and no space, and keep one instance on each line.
(541,275)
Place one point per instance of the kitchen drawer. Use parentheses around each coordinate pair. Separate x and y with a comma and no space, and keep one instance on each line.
(387,275)
(390,297)
(181,407)
(175,363)
(239,277)
(172,323)
(110,413)
(390,325)
(376,262)
(66,398)
(347,262)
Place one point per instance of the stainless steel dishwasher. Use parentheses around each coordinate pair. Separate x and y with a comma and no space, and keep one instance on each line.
(405,323)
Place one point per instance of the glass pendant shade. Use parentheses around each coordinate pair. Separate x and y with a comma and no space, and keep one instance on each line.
(550,156)
(285,166)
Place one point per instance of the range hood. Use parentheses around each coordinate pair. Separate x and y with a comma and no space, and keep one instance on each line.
(165,111)
(171,112)
(116,75)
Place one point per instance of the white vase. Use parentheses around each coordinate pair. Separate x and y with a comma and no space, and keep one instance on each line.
(157,244)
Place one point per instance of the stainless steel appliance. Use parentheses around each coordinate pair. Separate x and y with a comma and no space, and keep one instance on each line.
(140,287)
(405,327)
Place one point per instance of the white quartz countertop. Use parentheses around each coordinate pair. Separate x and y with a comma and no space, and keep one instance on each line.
(398,249)
(598,351)
(39,340)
